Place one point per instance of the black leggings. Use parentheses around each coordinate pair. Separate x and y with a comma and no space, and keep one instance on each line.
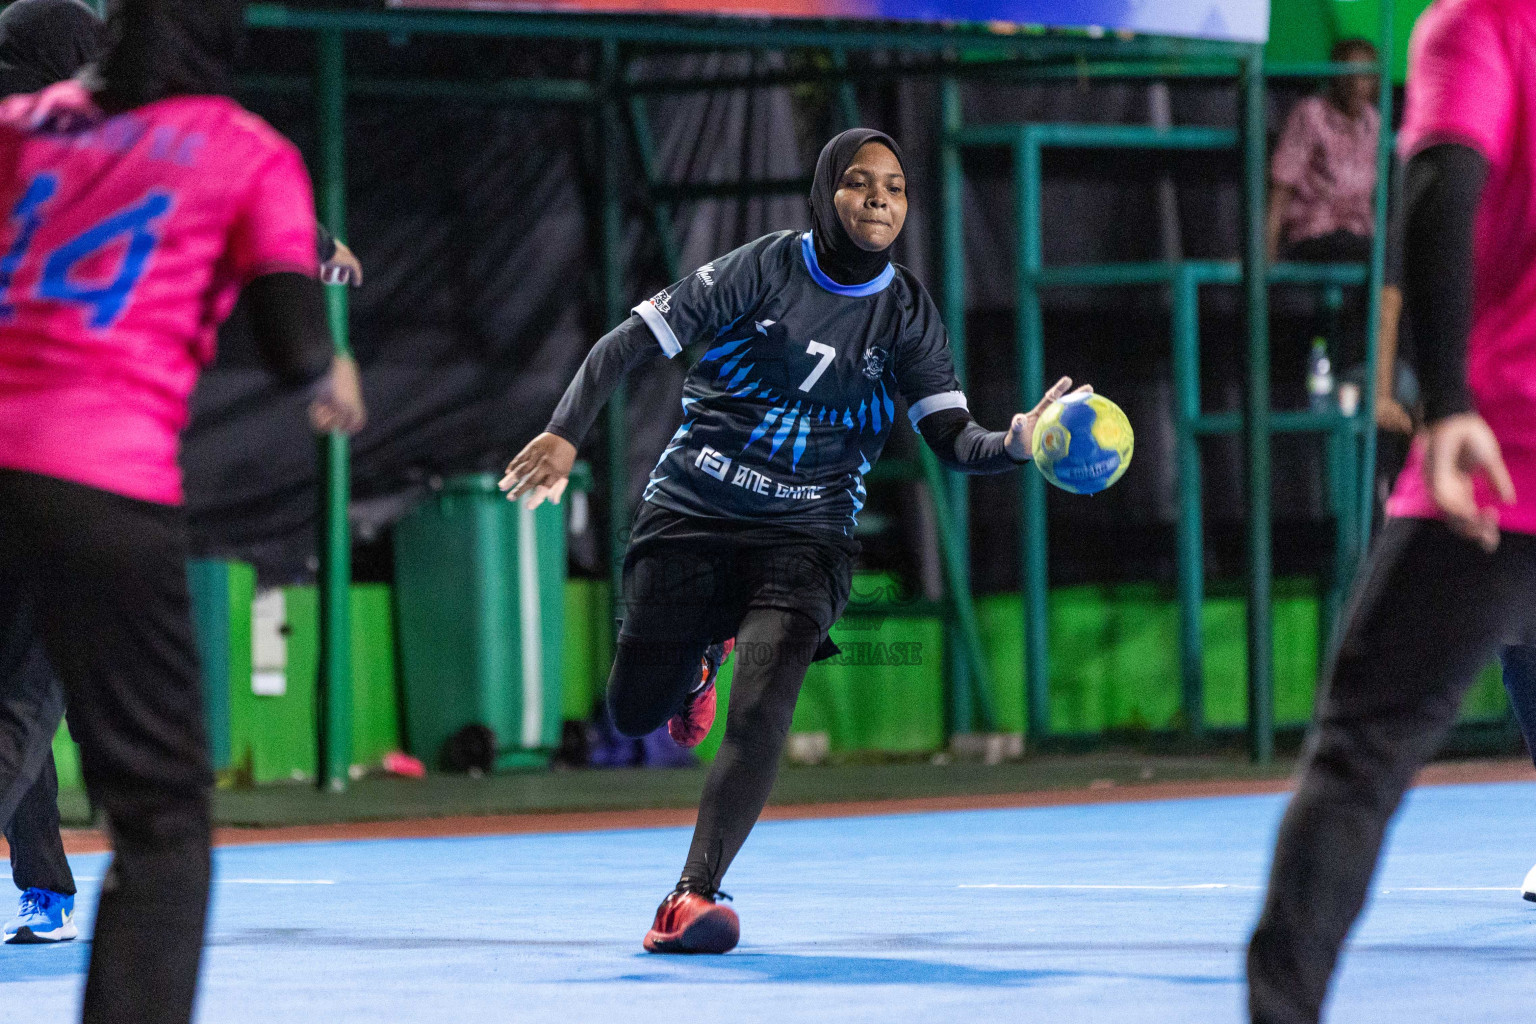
(648,684)
(107,579)
(1431,611)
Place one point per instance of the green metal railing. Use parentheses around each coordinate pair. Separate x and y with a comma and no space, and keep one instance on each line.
(618,110)
(1351,446)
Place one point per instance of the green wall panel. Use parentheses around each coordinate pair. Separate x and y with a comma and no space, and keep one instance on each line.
(1114,660)
(274,736)
(1300,31)
(588,647)
(66,758)
(1114,666)
(1304,30)
(1363,18)
(885,693)
(375,694)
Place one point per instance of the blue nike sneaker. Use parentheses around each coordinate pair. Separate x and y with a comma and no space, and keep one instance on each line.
(44,917)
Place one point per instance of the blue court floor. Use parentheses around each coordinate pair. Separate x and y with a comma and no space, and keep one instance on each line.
(1107,913)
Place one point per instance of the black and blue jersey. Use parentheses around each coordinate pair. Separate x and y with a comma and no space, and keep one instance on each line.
(795,395)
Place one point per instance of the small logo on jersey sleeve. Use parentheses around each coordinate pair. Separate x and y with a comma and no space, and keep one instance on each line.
(874,362)
(662,300)
(706,273)
(713,463)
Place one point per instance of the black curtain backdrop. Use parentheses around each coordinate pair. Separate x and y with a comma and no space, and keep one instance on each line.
(475,226)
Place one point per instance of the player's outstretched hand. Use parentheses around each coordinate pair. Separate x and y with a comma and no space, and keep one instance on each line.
(339,405)
(541,470)
(1458,450)
(1021,432)
(342,268)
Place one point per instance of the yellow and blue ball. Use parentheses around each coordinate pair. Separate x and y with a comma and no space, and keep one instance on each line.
(1083,443)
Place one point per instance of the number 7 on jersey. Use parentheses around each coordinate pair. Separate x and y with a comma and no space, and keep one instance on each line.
(827,353)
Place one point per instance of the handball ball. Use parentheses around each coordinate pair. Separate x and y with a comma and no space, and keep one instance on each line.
(1083,443)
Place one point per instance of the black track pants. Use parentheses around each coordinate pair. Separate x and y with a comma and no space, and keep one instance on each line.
(1430,613)
(1520,682)
(107,579)
(37,850)
(31,706)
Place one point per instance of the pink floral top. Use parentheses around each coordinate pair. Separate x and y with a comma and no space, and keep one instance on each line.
(1328,159)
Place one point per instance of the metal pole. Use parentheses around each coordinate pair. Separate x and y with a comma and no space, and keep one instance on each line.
(847,97)
(335,669)
(1191,552)
(1256,439)
(964,611)
(1367,485)
(612,241)
(1030,331)
(661,212)
(952,228)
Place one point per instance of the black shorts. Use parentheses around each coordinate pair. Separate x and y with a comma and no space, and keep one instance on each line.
(690,577)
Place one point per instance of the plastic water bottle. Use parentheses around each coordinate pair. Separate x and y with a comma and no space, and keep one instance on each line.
(1319,377)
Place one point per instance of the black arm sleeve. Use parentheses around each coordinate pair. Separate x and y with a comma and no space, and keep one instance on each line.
(615,354)
(963,444)
(325,244)
(288,318)
(1444,184)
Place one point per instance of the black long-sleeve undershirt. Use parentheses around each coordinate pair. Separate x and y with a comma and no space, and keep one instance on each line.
(615,354)
(963,444)
(325,243)
(1444,185)
(293,335)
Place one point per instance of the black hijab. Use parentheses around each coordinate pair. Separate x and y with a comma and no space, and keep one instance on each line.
(46,41)
(170,48)
(839,256)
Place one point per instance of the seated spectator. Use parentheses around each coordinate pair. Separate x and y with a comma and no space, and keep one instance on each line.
(1322,210)
(1323,172)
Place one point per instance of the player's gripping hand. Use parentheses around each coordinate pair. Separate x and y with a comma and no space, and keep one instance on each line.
(338,405)
(1021,432)
(1458,450)
(541,470)
(342,268)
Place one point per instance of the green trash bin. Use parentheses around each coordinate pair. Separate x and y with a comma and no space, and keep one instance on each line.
(480,598)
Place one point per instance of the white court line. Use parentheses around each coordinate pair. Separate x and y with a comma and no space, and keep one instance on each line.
(1455,888)
(1157,888)
(242,881)
(246,881)
(1224,885)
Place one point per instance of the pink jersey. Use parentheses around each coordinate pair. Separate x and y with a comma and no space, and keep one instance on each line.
(124,244)
(1472,81)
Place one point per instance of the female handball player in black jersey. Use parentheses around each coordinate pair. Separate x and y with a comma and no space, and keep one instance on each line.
(746,528)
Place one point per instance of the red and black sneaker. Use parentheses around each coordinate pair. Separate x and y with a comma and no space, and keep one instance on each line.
(689,726)
(692,922)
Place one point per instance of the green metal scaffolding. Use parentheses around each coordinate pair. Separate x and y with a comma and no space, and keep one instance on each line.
(950,54)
